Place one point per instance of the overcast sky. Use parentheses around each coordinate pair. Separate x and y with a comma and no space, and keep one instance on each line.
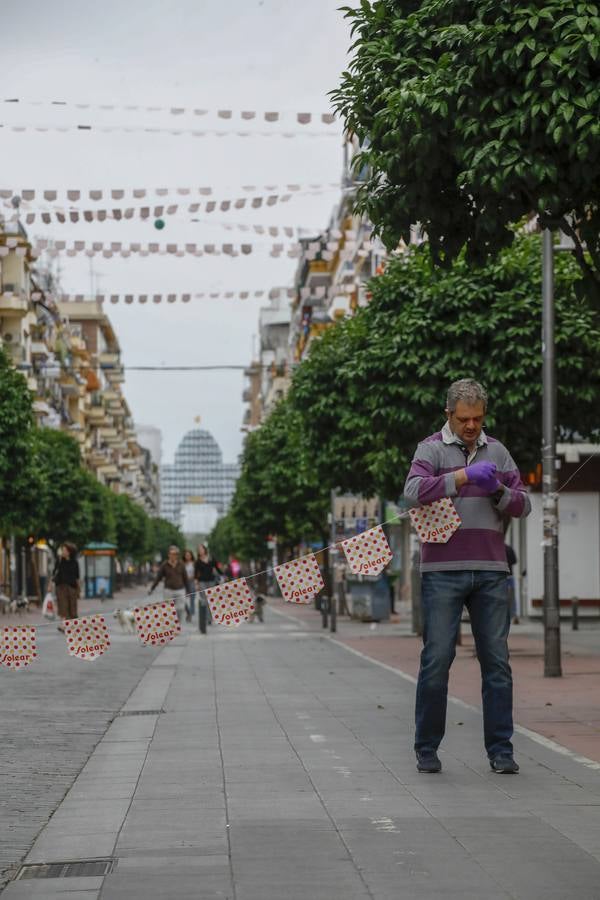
(239,54)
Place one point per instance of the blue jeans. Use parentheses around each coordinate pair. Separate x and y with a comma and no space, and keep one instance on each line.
(485,595)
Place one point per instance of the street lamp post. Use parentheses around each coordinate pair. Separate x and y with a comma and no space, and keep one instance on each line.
(552,660)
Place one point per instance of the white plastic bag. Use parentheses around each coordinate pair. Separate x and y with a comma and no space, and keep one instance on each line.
(49,606)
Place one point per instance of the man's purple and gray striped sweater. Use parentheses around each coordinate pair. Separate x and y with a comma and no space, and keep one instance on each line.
(479,541)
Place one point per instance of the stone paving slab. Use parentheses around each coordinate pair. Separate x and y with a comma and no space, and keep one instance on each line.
(283,769)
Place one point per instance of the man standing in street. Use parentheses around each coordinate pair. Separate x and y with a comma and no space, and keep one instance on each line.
(478,473)
(175,581)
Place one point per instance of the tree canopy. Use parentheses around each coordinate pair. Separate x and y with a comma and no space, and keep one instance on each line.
(375,385)
(278,491)
(16,426)
(473,115)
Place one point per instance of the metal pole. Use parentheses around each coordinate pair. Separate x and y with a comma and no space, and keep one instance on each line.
(552,663)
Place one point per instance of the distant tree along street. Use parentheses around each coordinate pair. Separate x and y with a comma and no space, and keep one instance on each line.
(473,115)
(375,384)
(278,491)
(16,427)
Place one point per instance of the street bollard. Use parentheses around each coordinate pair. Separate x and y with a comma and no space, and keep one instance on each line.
(202,617)
(333,615)
(324,609)
(574,613)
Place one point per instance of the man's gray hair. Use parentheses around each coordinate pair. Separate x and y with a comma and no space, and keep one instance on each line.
(469,391)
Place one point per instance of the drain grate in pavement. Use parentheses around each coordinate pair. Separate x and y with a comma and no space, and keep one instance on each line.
(142,712)
(83,868)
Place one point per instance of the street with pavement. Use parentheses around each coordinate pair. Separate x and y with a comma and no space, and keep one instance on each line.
(275,761)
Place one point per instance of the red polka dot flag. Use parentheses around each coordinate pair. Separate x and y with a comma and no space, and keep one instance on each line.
(157,624)
(17,647)
(230,603)
(436,522)
(368,553)
(300,580)
(87,637)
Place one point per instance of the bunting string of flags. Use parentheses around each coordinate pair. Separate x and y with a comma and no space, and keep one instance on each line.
(93,248)
(117,248)
(303,118)
(151,129)
(61,215)
(74,195)
(305,293)
(232,603)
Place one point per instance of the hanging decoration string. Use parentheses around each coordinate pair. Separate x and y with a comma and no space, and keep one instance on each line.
(73,195)
(302,118)
(173,132)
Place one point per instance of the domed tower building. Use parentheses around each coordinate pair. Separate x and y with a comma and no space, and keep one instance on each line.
(198,475)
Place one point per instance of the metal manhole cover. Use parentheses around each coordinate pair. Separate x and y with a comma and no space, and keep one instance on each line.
(83,868)
(142,712)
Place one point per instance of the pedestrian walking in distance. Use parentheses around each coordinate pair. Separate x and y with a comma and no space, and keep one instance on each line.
(66,583)
(190,606)
(175,581)
(462,462)
(207,573)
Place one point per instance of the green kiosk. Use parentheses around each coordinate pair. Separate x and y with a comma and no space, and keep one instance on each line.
(99,569)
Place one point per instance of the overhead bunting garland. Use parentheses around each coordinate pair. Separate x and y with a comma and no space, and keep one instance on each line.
(94,248)
(62,215)
(87,637)
(247,115)
(74,195)
(174,132)
(305,293)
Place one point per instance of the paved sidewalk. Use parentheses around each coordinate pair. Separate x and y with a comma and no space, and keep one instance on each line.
(564,710)
(53,714)
(275,764)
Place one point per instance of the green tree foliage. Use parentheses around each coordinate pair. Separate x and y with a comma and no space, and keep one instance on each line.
(473,115)
(16,423)
(225,539)
(131,527)
(68,503)
(278,492)
(161,535)
(375,385)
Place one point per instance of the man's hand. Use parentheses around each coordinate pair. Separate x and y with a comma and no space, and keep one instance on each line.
(483,474)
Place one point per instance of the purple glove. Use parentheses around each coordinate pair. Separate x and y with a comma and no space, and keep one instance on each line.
(483,474)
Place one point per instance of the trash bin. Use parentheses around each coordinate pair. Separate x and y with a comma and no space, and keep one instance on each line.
(99,570)
(368,597)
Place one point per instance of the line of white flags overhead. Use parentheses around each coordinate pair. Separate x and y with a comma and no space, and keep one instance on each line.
(173,132)
(246,115)
(74,195)
(93,248)
(305,293)
(61,215)
(114,248)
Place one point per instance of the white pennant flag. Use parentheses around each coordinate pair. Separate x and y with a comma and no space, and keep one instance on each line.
(230,603)
(368,553)
(300,579)
(87,637)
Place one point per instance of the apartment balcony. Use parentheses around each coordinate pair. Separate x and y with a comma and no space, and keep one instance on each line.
(107,360)
(115,376)
(96,415)
(13,304)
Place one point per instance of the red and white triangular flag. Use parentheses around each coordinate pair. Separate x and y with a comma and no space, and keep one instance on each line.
(230,603)
(436,522)
(87,637)
(368,553)
(300,579)
(158,623)
(17,647)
